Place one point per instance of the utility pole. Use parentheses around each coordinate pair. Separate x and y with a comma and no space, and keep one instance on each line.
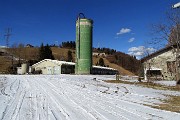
(7,35)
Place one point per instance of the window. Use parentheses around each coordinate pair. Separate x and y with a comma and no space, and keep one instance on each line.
(171,66)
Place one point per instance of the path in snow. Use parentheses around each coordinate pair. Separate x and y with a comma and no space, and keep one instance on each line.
(73,97)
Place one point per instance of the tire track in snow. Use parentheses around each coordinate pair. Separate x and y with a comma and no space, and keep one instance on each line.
(51,98)
(14,106)
(12,101)
(3,92)
(95,114)
(99,104)
(9,89)
(38,103)
(76,95)
(140,112)
(95,101)
(128,93)
(91,110)
(12,84)
(70,109)
(106,106)
(18,107)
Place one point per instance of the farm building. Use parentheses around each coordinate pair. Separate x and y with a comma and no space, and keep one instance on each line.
(160,65)
(103,70)
(51,67)
(99,54)
(24,69)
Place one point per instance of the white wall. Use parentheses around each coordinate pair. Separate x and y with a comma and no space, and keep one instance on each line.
(160,62)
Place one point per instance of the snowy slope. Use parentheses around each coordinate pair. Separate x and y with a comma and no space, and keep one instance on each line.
(73,97)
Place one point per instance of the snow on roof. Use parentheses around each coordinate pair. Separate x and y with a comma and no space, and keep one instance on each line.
(100,67)
(56,62)
(70,63)
(163,50)
(63,62)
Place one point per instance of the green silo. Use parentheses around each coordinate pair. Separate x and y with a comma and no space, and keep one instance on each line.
(83,45)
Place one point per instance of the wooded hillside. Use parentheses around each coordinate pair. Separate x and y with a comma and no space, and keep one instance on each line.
(67,53)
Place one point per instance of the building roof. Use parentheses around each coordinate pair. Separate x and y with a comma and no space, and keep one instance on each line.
(161,51)
(69,63)
(55,61)
(29,45)
(100,67)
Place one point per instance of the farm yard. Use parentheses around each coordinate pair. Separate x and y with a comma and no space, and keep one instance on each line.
(79,97)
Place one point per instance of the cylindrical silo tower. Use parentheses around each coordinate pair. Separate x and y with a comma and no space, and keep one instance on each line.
(84,28)
(25,68)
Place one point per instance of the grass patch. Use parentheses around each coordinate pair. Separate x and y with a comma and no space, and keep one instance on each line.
(113,81)
(170,104)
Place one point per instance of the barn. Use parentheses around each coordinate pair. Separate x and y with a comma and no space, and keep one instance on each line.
(55,67)
(161,64)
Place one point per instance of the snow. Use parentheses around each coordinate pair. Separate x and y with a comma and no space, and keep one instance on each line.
(78,97)
(167,83)
(134,79)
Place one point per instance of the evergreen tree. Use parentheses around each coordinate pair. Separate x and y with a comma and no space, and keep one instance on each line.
(45,52)
(41,52)
(69,56)
(101,62)
(48,52)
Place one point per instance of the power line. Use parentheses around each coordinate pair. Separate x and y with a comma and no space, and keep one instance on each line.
(7,35)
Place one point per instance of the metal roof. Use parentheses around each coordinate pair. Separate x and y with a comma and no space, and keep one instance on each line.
(100,67)
(55,61)
(163,50)
(69,63)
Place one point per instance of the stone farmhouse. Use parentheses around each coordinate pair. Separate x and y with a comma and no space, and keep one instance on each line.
(160,65)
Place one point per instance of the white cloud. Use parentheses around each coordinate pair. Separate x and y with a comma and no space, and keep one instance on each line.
(135,49)
(3,47)
(131,40)
(123,31)
(140,51)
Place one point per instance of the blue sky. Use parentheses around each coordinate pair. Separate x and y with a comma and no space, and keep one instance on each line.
(118,24)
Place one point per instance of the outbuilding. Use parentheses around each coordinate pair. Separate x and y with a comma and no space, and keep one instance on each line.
(55,67)
(161,64)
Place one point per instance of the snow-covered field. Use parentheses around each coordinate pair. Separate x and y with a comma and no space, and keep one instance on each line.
(78,97)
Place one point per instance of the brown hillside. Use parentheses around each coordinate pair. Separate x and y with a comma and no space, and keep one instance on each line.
(32,53)
(24,53)
(4,64)
(62,53)
(126,61)
(121,70)
(59,54)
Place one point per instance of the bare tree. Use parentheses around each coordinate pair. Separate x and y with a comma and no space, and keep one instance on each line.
(147,66)
(20,49)
(169,32)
